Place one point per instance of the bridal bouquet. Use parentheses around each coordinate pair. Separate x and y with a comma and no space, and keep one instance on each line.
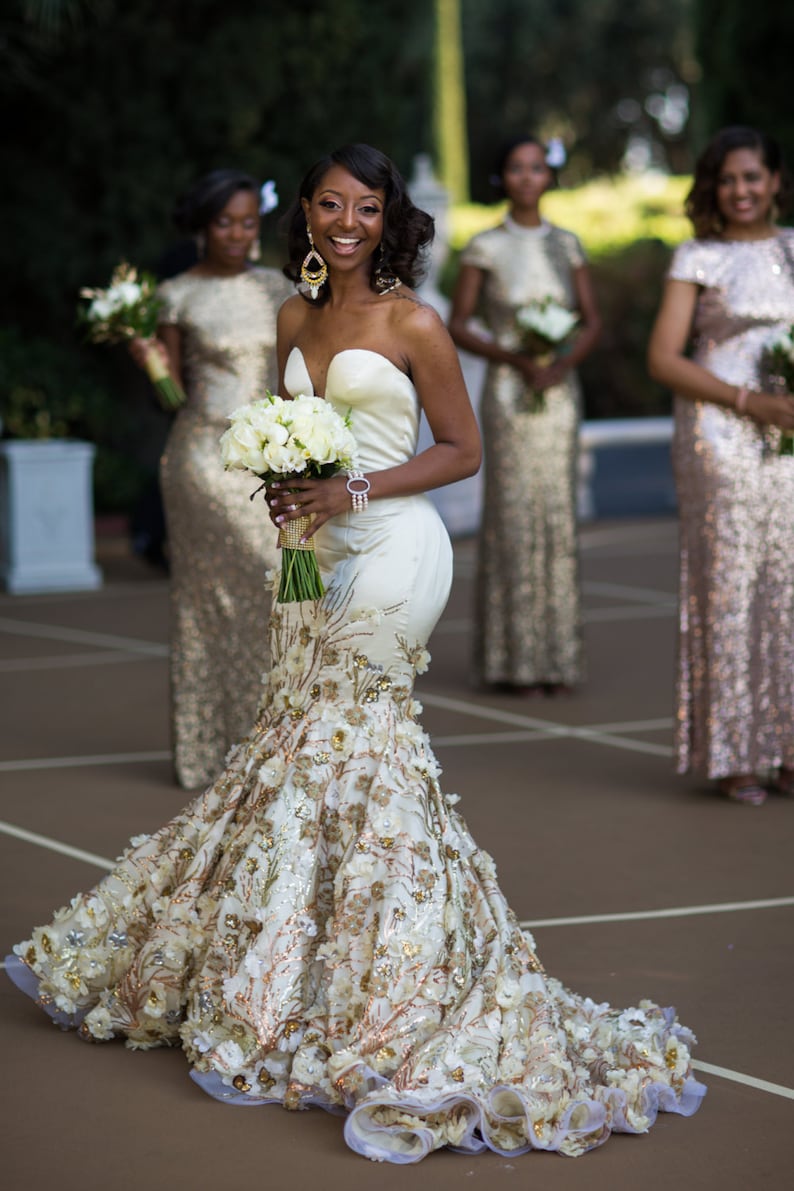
(274,438)
(779,361)
(128,309)
(545,327)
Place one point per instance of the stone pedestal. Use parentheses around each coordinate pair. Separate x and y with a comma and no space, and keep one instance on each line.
(47,517)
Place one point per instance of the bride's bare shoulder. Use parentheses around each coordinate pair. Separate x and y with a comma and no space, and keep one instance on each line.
(291,315)
(409,311)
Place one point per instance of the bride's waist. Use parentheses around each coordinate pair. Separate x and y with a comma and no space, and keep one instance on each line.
(378,512)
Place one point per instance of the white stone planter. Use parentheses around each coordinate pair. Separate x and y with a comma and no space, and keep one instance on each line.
(47,516)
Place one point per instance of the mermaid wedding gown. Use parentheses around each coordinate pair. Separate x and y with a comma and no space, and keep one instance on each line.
(318,927)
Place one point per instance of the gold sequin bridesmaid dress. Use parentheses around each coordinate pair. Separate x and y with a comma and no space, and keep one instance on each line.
(220,543)
(319,927)
(735,690)
(527,619)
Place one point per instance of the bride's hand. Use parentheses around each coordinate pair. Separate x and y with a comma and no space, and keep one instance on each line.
(318,499)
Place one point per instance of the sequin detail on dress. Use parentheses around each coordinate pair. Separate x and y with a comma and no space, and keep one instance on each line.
(220,544)
(527,622)
(735,688)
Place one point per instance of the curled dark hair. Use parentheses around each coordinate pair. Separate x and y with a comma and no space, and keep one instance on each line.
(407,231)
(196,208)
(505,153)
(701,204)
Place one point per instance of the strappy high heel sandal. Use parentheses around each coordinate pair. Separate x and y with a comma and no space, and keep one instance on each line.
(748,792)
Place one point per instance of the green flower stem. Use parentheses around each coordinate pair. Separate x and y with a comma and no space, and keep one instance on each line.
(300,576)
(170,394)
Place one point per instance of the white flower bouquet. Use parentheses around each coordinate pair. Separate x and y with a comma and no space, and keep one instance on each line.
(274,438)
(545,325)
(128,309)
(545,328)
(779,363)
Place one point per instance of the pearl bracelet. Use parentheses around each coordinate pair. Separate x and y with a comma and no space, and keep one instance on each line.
(740,405)
(358,486)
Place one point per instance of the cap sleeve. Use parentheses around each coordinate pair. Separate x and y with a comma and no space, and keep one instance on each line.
(690,263)
(169,313)
(476,253)
(574,251)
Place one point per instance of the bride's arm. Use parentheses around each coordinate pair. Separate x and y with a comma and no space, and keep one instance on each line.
(419,337)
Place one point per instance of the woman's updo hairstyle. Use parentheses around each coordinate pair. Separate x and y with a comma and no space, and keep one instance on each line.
(407,231)
(196,208)
(701,204)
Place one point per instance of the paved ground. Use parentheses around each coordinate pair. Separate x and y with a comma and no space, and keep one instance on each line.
(635,884)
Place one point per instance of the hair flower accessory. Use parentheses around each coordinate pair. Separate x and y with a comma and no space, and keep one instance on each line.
(268,197)
(556,156)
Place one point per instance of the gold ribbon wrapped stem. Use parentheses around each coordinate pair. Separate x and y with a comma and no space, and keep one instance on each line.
(156,367)
(291,532)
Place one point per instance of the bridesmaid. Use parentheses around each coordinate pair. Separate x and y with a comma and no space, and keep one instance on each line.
(728,291)
(218,331)
(527,625)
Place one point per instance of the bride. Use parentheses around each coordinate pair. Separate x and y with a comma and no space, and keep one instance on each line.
(318,927)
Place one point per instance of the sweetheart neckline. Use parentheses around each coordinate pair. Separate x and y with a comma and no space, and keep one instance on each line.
(368,351)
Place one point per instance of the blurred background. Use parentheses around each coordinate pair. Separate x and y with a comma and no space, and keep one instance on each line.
(111,108)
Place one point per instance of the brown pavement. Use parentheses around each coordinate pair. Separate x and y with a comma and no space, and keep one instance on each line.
(574,797)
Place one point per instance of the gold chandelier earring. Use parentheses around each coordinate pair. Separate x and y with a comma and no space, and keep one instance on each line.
(315,277)
(383,276)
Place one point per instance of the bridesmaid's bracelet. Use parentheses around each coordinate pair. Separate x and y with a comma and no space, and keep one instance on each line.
(358,486)
(742,394)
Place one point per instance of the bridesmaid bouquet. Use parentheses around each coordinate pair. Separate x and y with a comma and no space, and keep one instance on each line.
(128,309)
(780,364)
(545,327)
(276,439)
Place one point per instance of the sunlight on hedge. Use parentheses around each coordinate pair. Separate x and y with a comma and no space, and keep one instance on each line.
(607,214)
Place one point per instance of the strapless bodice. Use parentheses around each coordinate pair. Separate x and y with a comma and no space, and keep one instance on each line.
(383,404)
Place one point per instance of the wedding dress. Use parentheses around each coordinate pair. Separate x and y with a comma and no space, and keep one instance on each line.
(318,927)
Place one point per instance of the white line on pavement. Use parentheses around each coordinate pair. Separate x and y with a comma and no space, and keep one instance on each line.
(770,903)
(548,728)
(54,845)
(750,1081)
(77,762)
(643,595)
(52,632)
(68,661)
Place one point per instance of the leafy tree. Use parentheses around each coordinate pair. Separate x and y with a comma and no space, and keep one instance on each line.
(120,105)
(745,55)
(116,108)
(594,73)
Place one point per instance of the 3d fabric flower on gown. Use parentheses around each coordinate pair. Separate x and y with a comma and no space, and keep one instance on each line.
(319,927)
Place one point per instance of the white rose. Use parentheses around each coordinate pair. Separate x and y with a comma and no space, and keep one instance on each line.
(129,294)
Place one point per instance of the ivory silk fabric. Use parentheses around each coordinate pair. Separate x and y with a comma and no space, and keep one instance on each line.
(221,544)
(527,619)
(319,927)
(735,686)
